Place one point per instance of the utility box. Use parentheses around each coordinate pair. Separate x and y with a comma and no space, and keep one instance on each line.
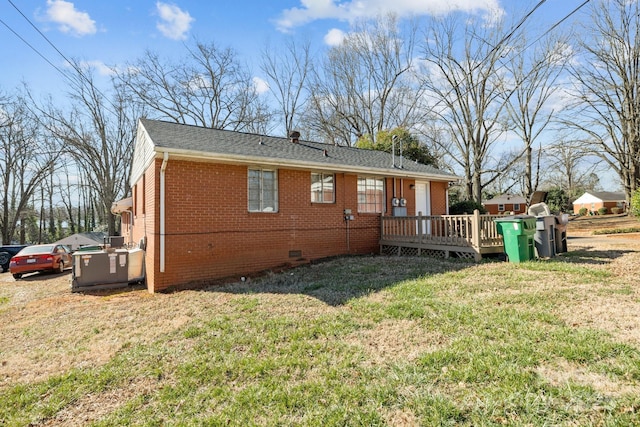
(399,211)
(114,241)
(105,269)
(517,234)
(136,271)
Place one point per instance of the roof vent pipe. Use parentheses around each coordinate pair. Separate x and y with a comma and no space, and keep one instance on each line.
(294,136)
(393,150)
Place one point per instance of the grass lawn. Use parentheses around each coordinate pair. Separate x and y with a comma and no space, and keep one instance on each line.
(359,341)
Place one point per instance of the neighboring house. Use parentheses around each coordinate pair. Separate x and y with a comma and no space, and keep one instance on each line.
(505,203)
(594,200)
(78,240)
(210,204)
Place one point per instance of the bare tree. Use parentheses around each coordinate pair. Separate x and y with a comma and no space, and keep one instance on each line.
(534,81)
(287,71)
(366,84)
(470,94)
(208,87)
(26,160)
(607,87)
(570,167)
(98,132)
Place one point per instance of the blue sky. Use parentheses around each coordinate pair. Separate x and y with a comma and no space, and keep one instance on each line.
(115,32)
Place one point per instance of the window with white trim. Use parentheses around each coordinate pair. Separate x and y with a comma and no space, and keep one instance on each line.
(322,188)
(263,190)
(500,208)
(370,195)
(516,207)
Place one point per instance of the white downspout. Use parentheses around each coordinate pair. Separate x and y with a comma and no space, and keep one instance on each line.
(162,209)
(446,195)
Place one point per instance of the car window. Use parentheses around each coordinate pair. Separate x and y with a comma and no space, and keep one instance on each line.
(36,249)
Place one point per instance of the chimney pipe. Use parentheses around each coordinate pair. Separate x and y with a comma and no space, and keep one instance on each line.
(294,136)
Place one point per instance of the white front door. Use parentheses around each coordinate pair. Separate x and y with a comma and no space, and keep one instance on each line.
(423,203)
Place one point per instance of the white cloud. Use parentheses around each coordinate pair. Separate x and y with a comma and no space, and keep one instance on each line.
(175,23)
(334,37)
(69,19)
(312,10)
(261,85)
(102,68)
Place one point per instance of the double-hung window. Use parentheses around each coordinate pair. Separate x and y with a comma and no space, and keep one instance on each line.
(322,188)
(263,190)
(370,195)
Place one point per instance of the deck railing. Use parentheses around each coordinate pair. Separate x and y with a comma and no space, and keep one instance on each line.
(476,233)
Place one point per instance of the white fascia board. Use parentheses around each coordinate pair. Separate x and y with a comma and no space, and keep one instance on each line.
(587,198)
(144,154)
(177,154)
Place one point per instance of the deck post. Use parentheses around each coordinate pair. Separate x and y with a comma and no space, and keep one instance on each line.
(476,238)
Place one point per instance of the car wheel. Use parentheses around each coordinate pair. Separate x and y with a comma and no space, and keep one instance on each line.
(17,276)
(4,260)
(61,267)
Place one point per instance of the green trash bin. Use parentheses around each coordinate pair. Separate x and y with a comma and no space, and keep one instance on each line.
(518,236)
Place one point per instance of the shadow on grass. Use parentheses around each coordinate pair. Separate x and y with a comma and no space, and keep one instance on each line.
(586,250)
(338,280)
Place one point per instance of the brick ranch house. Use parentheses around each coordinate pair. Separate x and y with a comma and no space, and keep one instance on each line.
(505,203)
(594,200)
(211,204)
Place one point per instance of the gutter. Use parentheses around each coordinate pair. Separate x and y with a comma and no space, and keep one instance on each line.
(276,162)
(165,160)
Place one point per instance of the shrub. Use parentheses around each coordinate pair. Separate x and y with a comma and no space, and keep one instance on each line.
(635,203)
(466,207)
(583,211)
(616,210)
(602,211)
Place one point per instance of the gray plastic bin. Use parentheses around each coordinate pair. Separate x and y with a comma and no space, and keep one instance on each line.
(561,233)
(545,237)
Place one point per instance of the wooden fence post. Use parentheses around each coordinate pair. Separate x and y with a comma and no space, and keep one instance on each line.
(476,239)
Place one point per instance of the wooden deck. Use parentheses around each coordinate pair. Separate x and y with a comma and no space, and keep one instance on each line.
(466,236)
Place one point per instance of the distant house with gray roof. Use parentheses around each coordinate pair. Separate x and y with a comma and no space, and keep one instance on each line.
(505,203)
(209,204)
(594,200)
(78,240)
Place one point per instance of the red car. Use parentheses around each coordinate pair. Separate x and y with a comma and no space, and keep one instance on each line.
(40,258)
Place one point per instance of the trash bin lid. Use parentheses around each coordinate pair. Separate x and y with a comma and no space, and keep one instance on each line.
(538,197)
(514,218)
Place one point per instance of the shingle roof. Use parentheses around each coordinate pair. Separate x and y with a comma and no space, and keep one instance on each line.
(211,143)
(608,196)
(505,199)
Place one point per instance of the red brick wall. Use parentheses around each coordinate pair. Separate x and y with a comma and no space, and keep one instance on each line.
(508,207)
(593,207)
(439,198)
(211,234)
